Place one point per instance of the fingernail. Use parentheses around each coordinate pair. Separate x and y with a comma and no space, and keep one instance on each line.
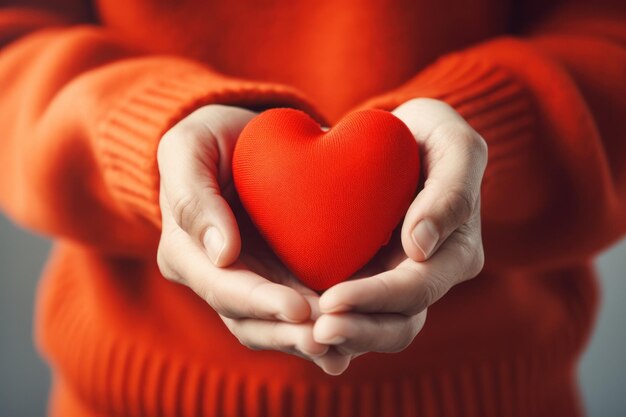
(282,317)
(425,237)
(214,244)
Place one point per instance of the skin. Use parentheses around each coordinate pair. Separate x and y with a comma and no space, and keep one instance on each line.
(384,307)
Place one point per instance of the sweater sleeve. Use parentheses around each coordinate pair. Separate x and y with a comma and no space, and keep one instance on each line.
(81,115)
(551,105)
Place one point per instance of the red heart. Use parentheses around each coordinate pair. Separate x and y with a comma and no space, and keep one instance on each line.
(326,201)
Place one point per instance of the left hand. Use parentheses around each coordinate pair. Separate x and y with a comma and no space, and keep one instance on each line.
(384,308)
(208,244)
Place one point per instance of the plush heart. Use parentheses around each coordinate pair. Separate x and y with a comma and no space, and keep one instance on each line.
(326,201)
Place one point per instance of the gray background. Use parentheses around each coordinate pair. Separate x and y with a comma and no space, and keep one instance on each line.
(24,378)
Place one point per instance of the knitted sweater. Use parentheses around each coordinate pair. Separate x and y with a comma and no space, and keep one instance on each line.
(87,90)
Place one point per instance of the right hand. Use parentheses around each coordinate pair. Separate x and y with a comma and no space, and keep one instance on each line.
(260,302)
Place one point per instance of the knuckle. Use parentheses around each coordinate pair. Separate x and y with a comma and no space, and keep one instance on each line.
(472,257)
(161,261)
(164,264)
(304,342)
(163,149)
(419,296)
(423,296)
(415,104)
(232,325)
(480,261)
(215,120)
(247,343)
(253,346)
(460,134)
(209,109)
(460,205)
(403,335)
(417,323)
(454,132)
(481,146)
(178,135)
(308,340)
(244,340)
(419,102)
(254,294)
(236,328)
(187,211)
(254,311)
(369,340)
(185,132)
(479,150)
(432,289)
(179,141)
(466,245)
(402,342)
(217,304)
(275,342)
(385,293)
(208,295)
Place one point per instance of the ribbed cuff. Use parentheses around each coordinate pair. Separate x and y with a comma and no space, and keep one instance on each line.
(128,136)
(539,130)
(490,97)
(501,107)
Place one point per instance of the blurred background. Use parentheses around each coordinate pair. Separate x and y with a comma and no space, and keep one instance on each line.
(24,378)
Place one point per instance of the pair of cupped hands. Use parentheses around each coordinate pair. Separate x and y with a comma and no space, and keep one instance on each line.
(205,246)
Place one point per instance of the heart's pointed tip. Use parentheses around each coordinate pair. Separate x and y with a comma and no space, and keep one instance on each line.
(320,285)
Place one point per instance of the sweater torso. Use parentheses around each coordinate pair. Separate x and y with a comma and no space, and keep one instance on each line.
(338,53)
(129,343)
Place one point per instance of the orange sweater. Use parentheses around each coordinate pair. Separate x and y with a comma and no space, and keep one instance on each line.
(87,90)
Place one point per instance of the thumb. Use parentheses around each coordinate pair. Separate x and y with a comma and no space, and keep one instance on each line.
(205,216)
(454,158)
(194,159)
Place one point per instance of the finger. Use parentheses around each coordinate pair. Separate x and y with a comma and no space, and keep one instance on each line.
(265,263)
(454,158)
(311,296)
(314,305)
(412,286)
(194,161)
(333,362)
(234,291)
(237,292)
(358,333)
(277,335)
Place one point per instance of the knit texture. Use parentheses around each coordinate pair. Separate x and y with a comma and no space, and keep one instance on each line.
(88,90)
(326,202)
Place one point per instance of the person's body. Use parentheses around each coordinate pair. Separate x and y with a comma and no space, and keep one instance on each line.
(90,90)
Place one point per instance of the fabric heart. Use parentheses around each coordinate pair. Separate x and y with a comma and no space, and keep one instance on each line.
(326,201)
